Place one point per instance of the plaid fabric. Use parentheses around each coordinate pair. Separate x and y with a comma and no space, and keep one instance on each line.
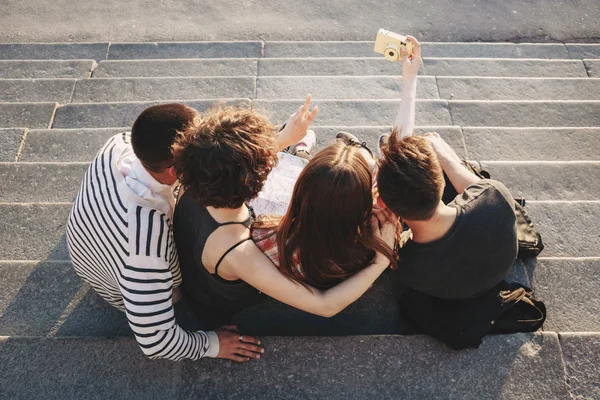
(266,240)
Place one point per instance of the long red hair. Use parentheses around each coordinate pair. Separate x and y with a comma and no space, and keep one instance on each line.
(327,226)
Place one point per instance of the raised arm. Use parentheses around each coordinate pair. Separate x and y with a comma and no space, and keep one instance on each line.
(297,125)
(460,177)
(405,119)
(252,266)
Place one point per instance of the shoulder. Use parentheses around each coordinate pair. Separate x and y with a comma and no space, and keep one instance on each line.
(149,230)
(485,190)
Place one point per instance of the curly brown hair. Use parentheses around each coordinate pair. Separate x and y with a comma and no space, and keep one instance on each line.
(224,157)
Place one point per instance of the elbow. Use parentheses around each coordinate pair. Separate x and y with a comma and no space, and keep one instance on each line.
(328,312)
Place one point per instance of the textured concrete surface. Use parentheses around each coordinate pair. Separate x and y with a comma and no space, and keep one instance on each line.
(28,115)
(358,112)
(365,49)
(340,87)
(151,68)
(152,89)
(570,286)
(124,51)
(549,181)
(36,90)
(46,183)
(519,88)
(15,69)
(34,296)
(108,115)
(580,353)
(11,141)
(524,144)
(523,114)
(431,66)
(568,227)
(413,367)
(350,20)
(53,51)
(65,145)
(33,231)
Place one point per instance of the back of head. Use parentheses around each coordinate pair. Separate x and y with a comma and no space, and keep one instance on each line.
(224,159)
(154,132)
(328,221)
(410,179)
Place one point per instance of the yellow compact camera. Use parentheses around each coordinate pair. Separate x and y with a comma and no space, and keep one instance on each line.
(389,43)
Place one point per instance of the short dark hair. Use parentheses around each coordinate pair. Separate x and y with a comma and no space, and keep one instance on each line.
(154,132)
(223,159)
(410,179)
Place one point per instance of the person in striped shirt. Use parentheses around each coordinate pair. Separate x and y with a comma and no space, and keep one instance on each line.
(120,239)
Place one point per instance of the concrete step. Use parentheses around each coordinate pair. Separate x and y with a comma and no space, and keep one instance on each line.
(570,287)
(11,143)
(592,68)
(16,69)
(275,49)
(524,144)
(342,66)
(154,89)
(473,88)
(572,181)
(36,231)
(340,87)
(81,145)
(128,51)
(105,115)
(293,88)
(40,182)
(522,365)
(26,115)
(525,113)
(65,145)
(431,66)
(438,49)
(583,50)
(359,112)
(53,51)
(568,228)
(36,90)
(155,68)
(567,180)
(485,143)
(580,355)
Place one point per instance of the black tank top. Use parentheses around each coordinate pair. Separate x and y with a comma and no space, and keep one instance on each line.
(192,225)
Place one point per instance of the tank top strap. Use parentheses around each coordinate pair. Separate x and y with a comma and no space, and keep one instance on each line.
(229,251)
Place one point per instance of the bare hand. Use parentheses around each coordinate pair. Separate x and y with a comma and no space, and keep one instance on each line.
(412,61)
(297,125)
(383,223)
(235,346)
(443,150)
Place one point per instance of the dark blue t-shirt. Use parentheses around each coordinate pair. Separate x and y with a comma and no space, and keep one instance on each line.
(477,252)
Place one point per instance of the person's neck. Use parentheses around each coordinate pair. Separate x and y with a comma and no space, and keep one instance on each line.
(435,227)
(161,177)
(222,215)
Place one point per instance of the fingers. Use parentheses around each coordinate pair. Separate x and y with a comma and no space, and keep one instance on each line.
(248,353)
(237,358)
(313,114)
(306,105)
(250,339)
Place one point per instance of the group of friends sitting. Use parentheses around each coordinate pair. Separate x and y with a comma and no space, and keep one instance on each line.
(163,214)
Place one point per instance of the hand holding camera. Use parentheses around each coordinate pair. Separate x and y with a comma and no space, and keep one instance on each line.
(396,47)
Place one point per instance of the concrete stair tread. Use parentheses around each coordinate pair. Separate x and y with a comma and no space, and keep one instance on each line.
(400,367)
